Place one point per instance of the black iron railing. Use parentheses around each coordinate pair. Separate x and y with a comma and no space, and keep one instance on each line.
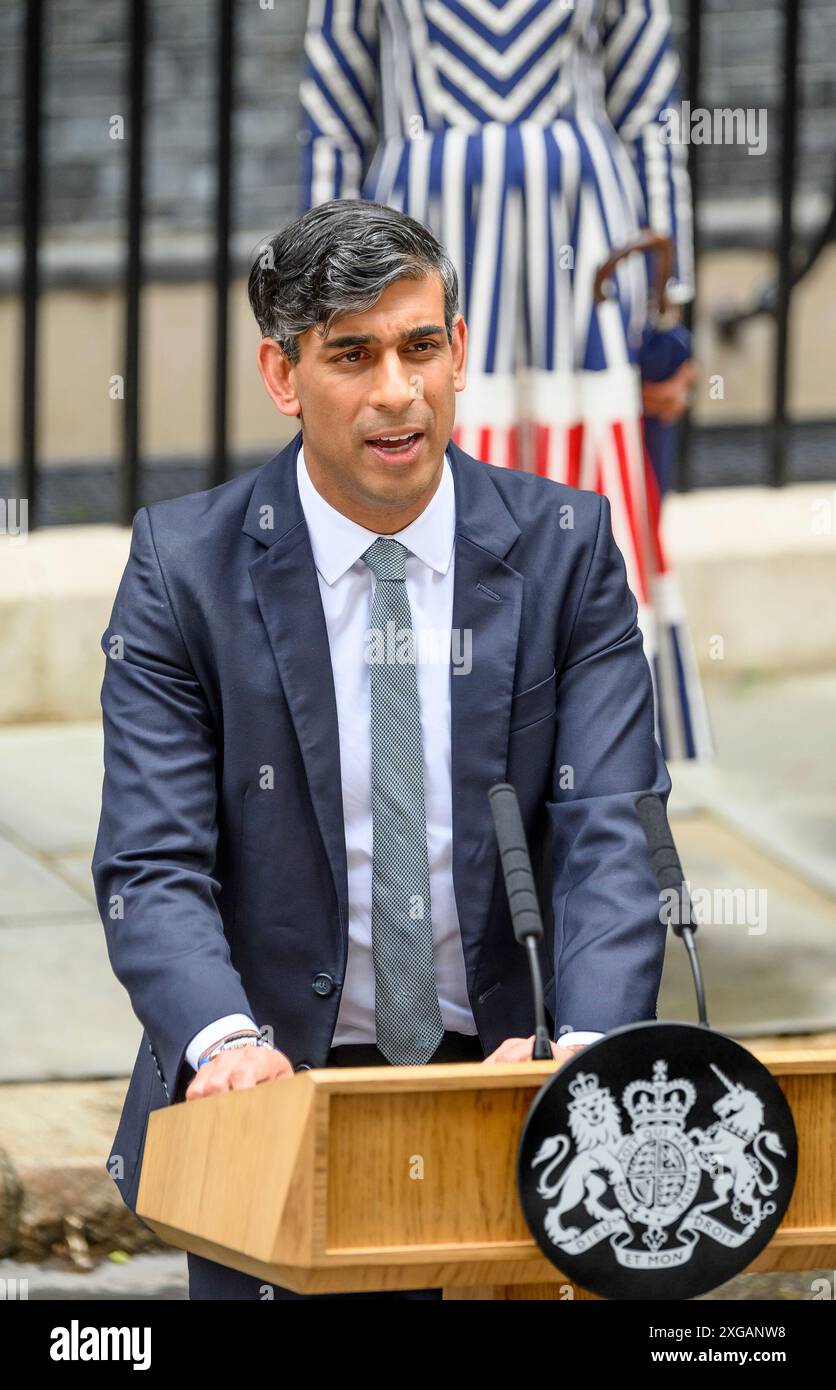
(778,304)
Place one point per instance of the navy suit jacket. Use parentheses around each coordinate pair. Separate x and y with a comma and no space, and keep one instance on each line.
(221,894)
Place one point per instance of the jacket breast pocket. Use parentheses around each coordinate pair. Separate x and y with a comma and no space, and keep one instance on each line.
(536,703)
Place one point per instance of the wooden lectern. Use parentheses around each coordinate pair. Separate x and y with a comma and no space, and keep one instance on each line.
(373,1178)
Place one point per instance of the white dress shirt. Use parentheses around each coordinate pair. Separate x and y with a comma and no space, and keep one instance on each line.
(346,586)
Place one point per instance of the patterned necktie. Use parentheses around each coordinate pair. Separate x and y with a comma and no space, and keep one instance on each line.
(408,1019)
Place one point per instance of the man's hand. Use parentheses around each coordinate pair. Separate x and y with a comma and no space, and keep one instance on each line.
(668,400)
(236,1069)
(519,1050)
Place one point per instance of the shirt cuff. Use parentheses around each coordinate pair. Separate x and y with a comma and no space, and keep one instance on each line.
(213,1032)
(678,292)
(577,1039)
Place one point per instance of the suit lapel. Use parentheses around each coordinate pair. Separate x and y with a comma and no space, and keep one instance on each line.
(287,589)
(487,601)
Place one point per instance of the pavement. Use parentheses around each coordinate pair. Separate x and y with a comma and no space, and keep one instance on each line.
(162,1275)
(755,830)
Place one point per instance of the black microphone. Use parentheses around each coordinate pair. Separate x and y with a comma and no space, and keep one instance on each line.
(522,901)
(672,888)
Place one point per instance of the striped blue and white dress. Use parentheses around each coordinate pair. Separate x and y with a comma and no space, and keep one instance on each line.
(528,135)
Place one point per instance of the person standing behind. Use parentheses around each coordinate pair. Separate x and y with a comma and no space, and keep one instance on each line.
(530,137)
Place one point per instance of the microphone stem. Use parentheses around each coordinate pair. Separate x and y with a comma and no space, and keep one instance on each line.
(690,946)
(542,1050)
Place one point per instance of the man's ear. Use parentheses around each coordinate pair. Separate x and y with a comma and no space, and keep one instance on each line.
(278,375)
(458,348)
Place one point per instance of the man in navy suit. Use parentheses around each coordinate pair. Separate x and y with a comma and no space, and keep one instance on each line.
(283,774)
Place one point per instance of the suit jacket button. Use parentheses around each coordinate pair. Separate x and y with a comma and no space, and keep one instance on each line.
(323,984)
(303,1066)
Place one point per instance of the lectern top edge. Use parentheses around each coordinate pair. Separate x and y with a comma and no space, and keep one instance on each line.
(442,1076)
(784,1061)
(780,1060)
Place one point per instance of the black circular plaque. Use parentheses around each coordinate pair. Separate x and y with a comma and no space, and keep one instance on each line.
(657,1163)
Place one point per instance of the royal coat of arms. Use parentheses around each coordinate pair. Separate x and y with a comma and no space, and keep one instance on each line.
(641,1190)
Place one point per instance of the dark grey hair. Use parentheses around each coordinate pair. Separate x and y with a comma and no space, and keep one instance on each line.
(338,258)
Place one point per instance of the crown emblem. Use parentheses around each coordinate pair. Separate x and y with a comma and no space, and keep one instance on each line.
(659,1101)
(584,1084)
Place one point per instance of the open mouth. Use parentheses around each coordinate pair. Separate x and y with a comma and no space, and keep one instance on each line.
(396,448)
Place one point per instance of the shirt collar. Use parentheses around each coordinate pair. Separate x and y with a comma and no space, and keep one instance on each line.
(338,542)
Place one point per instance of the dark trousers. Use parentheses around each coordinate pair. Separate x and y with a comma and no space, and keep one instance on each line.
(207,1279)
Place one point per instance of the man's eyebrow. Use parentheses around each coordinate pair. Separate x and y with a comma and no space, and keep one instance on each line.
(424,330)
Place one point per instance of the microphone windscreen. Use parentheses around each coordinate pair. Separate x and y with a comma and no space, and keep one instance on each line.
(516,864)
(664,857)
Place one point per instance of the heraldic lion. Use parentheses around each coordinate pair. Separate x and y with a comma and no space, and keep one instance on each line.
(595,1126)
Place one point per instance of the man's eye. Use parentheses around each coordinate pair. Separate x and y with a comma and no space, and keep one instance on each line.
(353,353)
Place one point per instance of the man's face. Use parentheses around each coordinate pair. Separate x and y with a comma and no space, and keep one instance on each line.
(386,371)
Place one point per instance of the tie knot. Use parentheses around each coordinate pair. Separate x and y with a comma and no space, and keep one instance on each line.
(386,558)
